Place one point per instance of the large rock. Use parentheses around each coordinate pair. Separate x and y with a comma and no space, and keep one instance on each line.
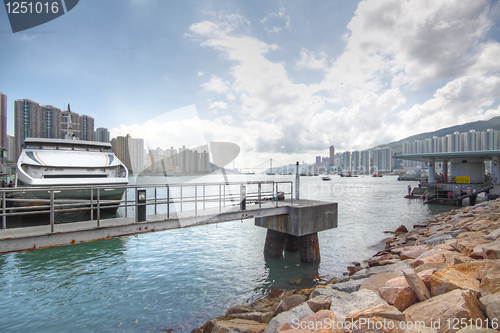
(480,268)
(397,292)
(288,302)
(355,301)
(490,284)
(319,303)
(238,326)
(375,261)
(437,239)
(492,250)
(416,284)
(412,252)
(381,310)
(327,292)
(466,245)
(398,267)
(348,286)
(260,317)
(377,281)
(454,305)
(296,314)
(494,235)
(491,305)
(450,279)
(322,321)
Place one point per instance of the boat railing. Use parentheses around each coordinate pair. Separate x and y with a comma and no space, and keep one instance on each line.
(188,198)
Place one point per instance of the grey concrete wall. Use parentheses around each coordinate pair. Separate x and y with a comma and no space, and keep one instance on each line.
(307,218)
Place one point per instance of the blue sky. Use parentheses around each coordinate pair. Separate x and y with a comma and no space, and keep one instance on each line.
(282,79)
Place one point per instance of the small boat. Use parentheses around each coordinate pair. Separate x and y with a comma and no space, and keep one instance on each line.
(326,178)
(376,175)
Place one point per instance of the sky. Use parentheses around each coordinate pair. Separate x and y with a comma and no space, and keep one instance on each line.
(281,79)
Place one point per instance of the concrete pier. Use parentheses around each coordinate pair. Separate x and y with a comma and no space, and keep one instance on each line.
(298,230)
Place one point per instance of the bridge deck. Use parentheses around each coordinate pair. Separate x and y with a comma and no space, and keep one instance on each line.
(29,238)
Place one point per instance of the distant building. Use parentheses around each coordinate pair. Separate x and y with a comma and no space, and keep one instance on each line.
(101,134)
(332,155)
(382,159)
(27,121)
(345,161)
(364,163)
(3,120)
(355,161)
(51,122)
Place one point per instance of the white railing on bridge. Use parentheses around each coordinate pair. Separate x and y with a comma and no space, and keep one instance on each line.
(160,199)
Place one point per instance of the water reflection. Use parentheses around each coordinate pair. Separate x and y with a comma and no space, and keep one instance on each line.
(291,273)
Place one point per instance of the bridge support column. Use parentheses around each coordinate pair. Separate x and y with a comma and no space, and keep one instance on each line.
(309,248)
(275,243)
(307,245)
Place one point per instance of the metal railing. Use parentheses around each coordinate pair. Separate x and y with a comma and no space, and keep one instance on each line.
(160,199)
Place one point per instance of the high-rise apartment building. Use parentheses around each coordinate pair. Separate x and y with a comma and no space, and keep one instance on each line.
(27,122)
(3,120)
(51,122)
(101,134)
(332,155)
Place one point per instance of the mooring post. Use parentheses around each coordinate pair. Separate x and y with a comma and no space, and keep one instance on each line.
(297,182)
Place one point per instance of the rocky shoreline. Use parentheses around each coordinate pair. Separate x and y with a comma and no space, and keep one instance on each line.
(441,276)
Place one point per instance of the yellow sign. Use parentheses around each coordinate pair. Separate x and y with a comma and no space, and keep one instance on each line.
(463,180)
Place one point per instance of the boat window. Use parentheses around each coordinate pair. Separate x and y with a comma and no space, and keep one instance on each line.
(80,147)
(49,146)
(64,146)
(32,145)
(105,149)
(93,148)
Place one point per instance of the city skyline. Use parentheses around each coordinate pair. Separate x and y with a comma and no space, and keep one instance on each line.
(280,80)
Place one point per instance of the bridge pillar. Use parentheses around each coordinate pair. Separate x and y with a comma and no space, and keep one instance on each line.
(309,248)
(275,243)
(299,229)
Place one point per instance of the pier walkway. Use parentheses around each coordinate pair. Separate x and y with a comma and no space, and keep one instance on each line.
(161,207)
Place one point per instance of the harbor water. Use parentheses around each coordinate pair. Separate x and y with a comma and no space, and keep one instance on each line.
(177,280)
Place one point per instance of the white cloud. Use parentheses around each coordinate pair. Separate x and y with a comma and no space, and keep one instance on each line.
(216,84)
(393,49)
(309,59)
(218,105)
(276,22)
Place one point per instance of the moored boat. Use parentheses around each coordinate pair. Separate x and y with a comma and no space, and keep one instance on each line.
(69,163)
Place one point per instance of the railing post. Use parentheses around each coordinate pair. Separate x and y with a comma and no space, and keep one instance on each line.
(220,200)
(224,198)
(204,196)
(91,203)
(156,211)
(243,197)
(51,211)
(195,200)
(291,193)
(260,195)
(4,211)
(126,201)
(98,207)
(276,194)
(297,182)
(181,198)
(168,203)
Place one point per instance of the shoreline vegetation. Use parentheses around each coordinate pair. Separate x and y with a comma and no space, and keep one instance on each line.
(441,276)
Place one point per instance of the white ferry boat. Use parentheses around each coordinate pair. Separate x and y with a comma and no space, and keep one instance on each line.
(69,162)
